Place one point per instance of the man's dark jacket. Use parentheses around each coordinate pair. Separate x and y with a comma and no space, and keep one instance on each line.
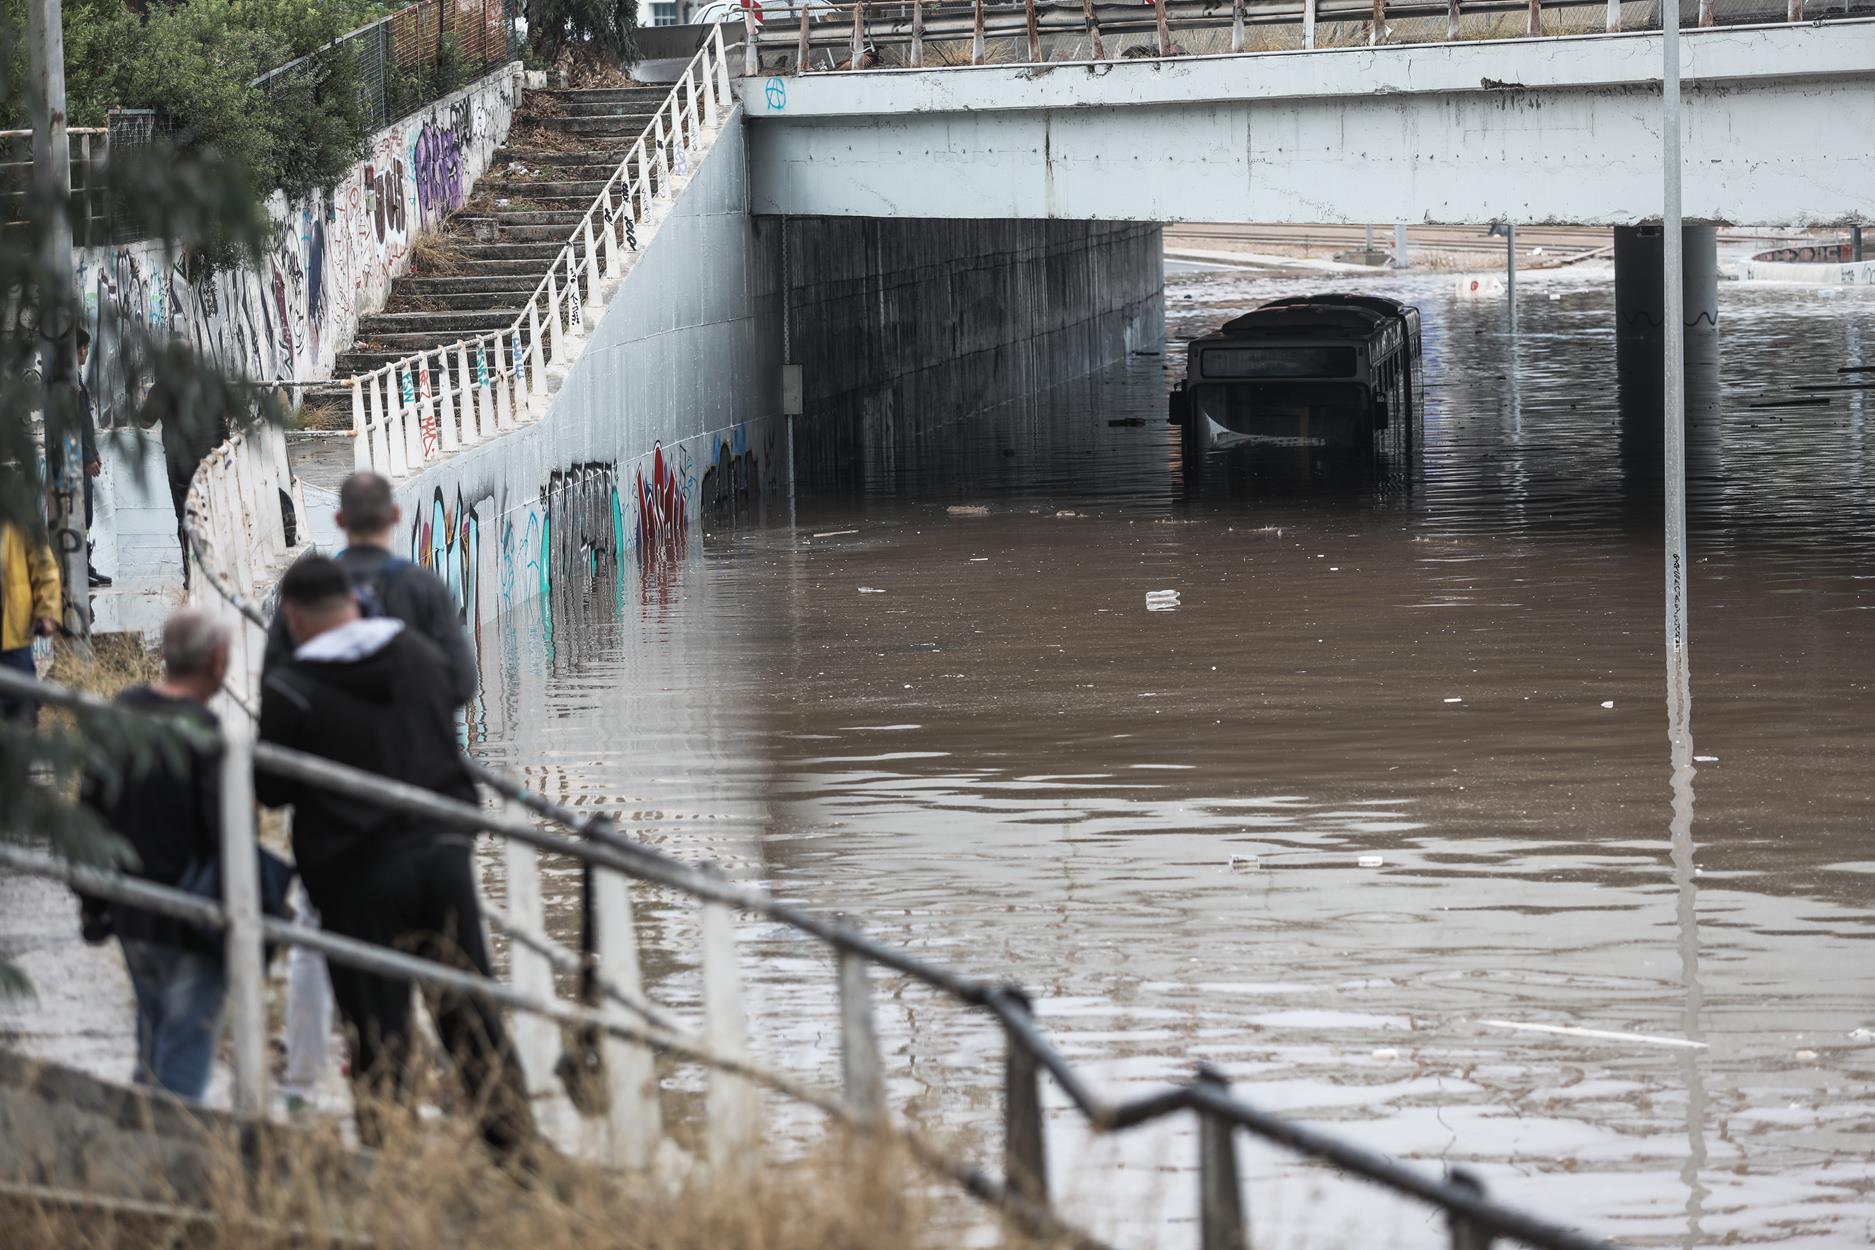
(410,593)
(170,813)
(383,702)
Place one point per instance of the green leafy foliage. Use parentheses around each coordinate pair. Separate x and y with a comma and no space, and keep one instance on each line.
(196,200)
(596,32)
(196,63)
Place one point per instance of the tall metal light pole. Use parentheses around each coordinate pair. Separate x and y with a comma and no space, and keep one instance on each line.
(58,349)
(1673,393)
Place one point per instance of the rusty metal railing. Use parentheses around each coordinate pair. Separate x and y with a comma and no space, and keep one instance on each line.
(633,1032)
(1090,30)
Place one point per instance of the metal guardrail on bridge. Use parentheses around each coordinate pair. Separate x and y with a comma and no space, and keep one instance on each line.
(862,27)
(618,1009)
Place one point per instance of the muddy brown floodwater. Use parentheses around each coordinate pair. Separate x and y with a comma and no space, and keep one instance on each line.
(1004,761)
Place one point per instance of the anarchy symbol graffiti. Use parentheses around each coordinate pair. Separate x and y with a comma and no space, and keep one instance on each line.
(776,93)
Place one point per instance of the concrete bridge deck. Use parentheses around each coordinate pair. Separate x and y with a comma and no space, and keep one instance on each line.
(1553,130)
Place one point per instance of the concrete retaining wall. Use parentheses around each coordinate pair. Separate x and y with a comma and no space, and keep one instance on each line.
(903,326)
(665,417)
(670,413)
(330,261)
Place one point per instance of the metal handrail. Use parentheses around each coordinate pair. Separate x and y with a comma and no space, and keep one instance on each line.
(396,423)
(1030,1051)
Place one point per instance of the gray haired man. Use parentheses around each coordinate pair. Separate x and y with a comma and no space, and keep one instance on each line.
(170,814)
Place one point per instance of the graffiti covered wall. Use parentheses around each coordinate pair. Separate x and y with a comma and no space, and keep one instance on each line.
(665,421)
(330,257)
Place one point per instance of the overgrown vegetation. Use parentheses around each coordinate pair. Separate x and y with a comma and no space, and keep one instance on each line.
(589,33)
(432,1187)
(195,63)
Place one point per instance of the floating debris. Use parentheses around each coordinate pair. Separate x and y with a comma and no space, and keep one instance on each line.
(1608,703)
(1244,861)
(870,590)
(968,509)
(835,533)
(1369,861)
(1161,600)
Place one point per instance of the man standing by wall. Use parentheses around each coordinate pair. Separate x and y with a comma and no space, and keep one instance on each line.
(372,694)
(29,606)
(170,813)
(389,587)
(88,445)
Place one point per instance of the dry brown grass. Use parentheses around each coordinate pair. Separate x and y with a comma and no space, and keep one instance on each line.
(115,662)
(436,1189)
(437,256)
(547,139)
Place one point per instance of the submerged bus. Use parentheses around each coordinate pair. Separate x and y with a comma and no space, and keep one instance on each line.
(1326,373)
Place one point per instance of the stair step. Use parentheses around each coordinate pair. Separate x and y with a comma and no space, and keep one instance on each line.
(404,300)
(533,256)
(574,95)
(554,231)
(488,285)
(612,125)
(541,189)
(562,106)
(379,326)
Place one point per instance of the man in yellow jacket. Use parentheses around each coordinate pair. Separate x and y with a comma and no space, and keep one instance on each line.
(29,607)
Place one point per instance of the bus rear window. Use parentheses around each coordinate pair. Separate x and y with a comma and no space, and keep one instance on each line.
(1279,362)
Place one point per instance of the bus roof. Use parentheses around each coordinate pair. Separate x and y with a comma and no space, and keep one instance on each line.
(1347,299)
(1292,320)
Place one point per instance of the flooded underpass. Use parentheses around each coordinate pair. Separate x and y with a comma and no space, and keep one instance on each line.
(1375,819)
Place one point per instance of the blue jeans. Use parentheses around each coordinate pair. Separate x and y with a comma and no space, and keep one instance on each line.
(179,996)
(20,660)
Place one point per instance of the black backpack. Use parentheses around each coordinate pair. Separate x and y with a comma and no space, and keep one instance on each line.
(370,591)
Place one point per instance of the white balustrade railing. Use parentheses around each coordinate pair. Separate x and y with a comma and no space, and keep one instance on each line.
(236,523)
(438,400)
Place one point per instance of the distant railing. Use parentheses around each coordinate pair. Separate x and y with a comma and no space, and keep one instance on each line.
(409,412)
(634,1027)
(247,486)
(90,155)
(414,56)
(1086,30)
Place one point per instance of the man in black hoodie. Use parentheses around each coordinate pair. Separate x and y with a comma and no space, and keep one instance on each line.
(369,693)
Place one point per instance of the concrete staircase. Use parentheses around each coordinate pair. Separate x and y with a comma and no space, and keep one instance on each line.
(477,275)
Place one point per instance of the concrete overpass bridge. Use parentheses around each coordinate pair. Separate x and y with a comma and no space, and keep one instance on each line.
(1777,121)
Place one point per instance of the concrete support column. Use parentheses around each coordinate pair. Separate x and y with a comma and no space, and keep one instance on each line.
(1640,290)
(1640,296)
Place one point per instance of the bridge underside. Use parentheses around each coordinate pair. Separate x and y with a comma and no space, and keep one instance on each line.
(1536,131)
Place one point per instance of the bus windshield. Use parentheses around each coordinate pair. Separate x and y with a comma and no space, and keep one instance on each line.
(1279,362)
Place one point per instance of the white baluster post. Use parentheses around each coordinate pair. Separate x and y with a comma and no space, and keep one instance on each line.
(536,1038)
(240,881)
(554,332)
(537,360)
(361,437)
(445,402)
(612,228)
(414,452)
(634,1121)
(396,443)
(469,397)
(502,379)
(731,1099)
(592,264)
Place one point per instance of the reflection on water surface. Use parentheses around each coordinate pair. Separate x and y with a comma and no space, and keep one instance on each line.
(1006,762)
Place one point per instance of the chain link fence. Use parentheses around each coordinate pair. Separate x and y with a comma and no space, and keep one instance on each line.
(90,203)
(413,57)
